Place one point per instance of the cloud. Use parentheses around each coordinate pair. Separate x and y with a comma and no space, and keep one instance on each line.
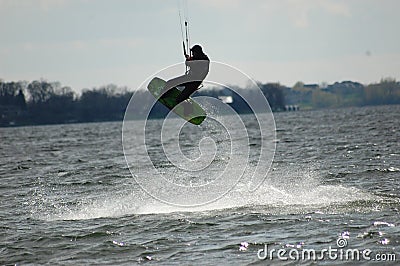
(336,8)
(120,42)
(47,5)
(222,4)
(78,45)
(43,5)
(361,68)
(299,11)
(296,11)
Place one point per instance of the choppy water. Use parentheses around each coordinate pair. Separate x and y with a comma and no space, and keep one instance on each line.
(68,197)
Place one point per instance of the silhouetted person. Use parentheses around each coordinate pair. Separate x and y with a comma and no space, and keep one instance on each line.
(198,65)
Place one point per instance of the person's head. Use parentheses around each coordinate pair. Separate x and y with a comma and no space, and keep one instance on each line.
(196,50)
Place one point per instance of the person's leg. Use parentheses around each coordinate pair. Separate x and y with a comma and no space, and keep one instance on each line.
(190,88)
(174,82)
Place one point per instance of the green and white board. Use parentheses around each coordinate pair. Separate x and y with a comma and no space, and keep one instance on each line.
(194,113)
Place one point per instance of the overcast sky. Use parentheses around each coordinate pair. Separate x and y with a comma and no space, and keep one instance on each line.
(88,43)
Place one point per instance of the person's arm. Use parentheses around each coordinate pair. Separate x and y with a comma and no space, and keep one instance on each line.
(188,61)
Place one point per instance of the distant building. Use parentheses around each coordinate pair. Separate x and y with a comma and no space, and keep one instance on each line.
(226,99)
(311,86)
(345,87)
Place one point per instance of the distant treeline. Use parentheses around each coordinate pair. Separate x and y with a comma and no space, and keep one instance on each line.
(43,102)
(343,94)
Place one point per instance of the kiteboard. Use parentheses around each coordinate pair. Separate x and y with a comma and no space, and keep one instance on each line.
(188,110)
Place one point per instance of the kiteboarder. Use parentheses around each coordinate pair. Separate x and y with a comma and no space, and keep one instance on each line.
(197,66)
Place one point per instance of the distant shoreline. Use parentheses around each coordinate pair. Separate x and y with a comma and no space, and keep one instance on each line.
(160,118)
(47,103)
